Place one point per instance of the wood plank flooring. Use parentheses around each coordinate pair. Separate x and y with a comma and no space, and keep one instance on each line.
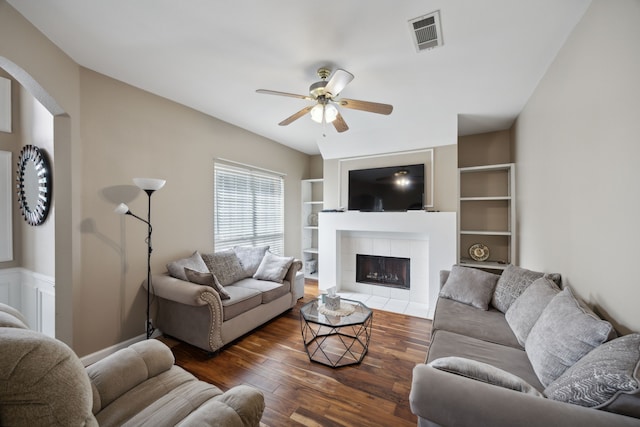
(303,393)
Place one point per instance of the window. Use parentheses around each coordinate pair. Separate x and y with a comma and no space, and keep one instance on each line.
(249,208)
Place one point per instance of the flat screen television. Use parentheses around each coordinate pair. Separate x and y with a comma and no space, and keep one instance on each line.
(387,189)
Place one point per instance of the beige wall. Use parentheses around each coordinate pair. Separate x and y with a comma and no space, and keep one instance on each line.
(577,152)
(129,133)
(119,133)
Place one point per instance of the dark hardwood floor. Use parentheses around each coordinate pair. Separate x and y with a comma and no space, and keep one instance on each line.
(303,393)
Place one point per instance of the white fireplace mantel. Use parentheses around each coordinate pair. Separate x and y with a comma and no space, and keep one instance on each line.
(438,228)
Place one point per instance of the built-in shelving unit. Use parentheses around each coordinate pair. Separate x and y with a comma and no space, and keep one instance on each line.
(486,214)
(312,204)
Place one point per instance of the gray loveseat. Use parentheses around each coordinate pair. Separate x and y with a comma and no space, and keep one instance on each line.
(515,350)
(209,300)
(43,383)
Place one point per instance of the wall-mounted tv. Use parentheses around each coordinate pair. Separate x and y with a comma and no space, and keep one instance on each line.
(392,188)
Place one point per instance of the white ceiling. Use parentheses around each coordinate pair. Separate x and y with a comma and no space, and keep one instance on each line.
(212,56)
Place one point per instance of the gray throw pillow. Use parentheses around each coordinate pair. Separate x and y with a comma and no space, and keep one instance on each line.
(273,268)
(225,265)
(484,372)
(250,258)
(527,308)
(194,262)
(566,331)
(607,378)
(470,286)
(512,283)
(207,279)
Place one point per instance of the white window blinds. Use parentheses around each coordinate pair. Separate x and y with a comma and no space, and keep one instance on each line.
(248,209)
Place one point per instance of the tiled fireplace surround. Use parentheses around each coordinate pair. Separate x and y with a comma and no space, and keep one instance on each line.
(427,239)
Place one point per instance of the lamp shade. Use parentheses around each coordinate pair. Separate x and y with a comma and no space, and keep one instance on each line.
(317,112)
(152,184)
(121,209)
(330,113)
(326,112)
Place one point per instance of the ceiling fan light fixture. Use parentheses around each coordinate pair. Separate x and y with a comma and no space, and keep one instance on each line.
(323,112)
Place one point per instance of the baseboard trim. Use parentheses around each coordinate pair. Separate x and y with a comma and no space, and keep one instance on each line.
(92,358)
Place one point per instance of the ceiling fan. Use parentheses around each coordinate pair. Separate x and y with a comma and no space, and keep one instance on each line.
(325,94)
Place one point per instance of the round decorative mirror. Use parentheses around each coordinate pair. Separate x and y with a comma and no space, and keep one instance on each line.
(34,184)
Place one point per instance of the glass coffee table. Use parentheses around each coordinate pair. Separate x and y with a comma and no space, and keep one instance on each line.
(336,338)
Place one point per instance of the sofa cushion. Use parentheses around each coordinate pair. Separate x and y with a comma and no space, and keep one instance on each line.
(565,332)
(527,308)
(512,283)
(484,372)
(241,300)
(194,262)
(206,279)
(250,258)
(225,265)
(273,268)
(270,290)
(470,286)
(607,378)
(489,325)
(512,360)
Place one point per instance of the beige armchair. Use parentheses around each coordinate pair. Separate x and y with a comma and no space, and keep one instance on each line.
(43,383)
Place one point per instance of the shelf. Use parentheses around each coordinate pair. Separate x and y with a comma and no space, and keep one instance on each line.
(488,168)
(486,233)
(314,202)
(482,264)
(310,250)
(483,199)
(310,227)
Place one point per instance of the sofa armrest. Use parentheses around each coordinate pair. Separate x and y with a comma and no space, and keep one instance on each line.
(448,399)
(240,406)
(121,371)
(296,266)
(181,291)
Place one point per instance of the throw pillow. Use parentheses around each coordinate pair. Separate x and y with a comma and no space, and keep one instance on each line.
(470,286)
(250,258)
(206,279)
(483,372)
(273,268)
(527,308)
(607,378)
(194,262)
(512,283)
(225,265)
(565,332)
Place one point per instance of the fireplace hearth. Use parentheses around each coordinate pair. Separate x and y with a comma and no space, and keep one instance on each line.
(383,271)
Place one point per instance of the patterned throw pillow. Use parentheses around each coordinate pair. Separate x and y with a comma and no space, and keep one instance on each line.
(527,308)
(250,258)
(566,331)
(607,378)
(225,265)
(273,268)
(206,279)
(194,262)
(470,286)
(512,283)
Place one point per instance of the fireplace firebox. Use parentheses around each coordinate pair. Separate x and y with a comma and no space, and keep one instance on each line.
(384,271)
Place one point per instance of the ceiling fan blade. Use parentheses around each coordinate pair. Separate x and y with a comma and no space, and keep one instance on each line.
(275,92)
(372,107)
(295,116)
(340,124)
(338,81)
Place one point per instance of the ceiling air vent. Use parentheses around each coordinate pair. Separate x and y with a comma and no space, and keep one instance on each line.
(426,31)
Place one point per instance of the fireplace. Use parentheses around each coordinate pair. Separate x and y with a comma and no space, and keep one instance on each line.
(383,271)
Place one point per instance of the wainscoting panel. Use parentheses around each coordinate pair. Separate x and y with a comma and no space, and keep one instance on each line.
(33,294)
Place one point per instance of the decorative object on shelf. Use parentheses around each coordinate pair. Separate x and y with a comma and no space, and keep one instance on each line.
(148,185)
(479,252)
(312,219)
(310,266)
(34,184)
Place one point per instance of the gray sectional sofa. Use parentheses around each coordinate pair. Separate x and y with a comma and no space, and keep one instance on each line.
(209,300)
(43,383)
(516,350)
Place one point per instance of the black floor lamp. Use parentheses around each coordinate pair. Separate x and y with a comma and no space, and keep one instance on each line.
(148,185)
